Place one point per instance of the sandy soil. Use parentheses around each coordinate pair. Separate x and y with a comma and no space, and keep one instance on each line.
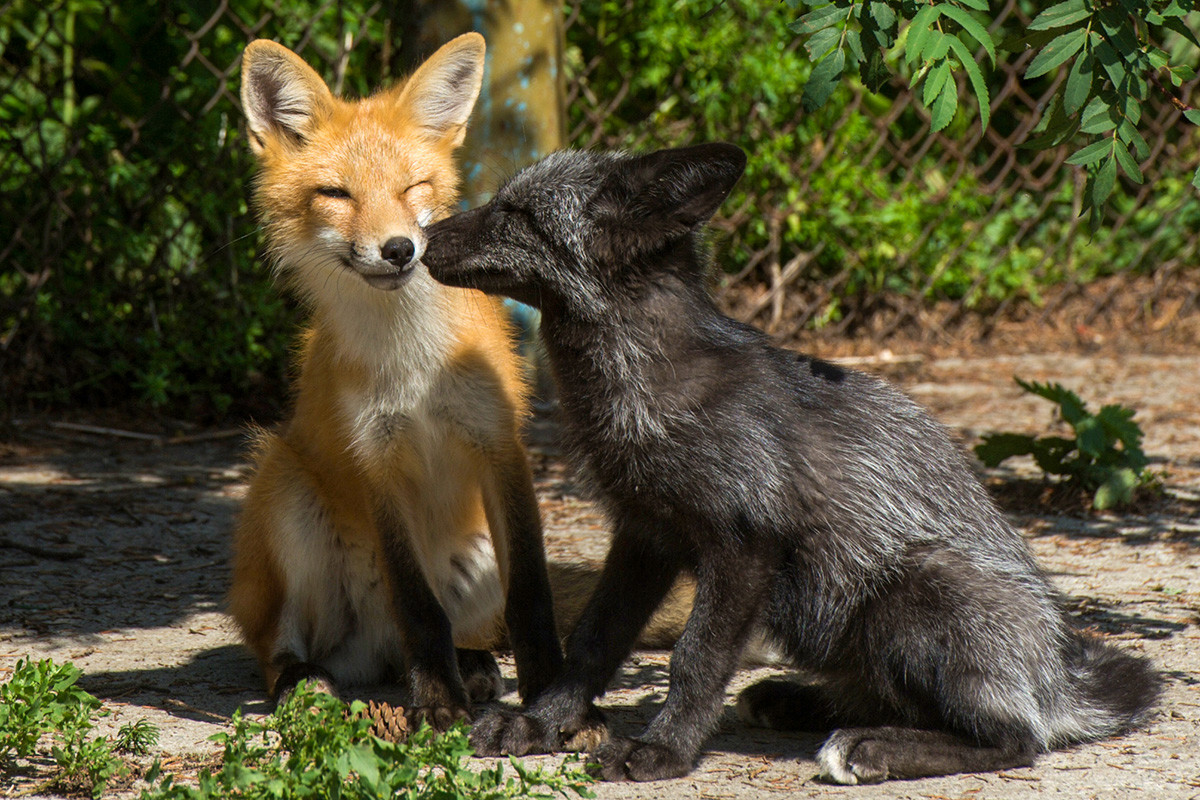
(113,555)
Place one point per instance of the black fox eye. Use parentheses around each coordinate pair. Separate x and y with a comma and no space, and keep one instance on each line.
(417,185)
(334,192)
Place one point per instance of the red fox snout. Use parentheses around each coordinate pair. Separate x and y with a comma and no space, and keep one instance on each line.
(391,267)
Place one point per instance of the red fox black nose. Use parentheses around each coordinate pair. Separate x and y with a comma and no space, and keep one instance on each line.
(398,250)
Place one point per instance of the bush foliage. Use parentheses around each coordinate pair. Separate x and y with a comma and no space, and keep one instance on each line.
(128,255)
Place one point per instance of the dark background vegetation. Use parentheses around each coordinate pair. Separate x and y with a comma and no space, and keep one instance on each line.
(130,268)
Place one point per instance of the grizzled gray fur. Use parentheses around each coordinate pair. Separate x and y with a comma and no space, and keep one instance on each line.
(816,501)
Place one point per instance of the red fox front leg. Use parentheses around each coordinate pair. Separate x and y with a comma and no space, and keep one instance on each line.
(439,696)
(512,510)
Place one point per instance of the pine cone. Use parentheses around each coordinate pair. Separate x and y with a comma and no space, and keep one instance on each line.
(387,721)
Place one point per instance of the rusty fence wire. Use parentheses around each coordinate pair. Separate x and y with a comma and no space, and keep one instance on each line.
(124,229)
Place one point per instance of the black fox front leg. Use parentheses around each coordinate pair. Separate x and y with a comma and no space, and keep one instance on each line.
(439,696)
(633,583)
(529,605)
(730,592)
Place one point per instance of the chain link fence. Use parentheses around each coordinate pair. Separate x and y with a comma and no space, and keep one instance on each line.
(128,257)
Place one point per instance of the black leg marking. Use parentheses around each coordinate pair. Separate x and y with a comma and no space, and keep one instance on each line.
(480,674)
(317,676)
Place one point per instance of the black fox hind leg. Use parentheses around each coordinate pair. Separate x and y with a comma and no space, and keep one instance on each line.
(872,755)
(786,705)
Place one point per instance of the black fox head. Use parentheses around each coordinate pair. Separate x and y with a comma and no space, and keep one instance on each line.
(562,230)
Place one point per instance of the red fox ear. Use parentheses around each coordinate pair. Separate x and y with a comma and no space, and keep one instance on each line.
(442,92)
(281,95)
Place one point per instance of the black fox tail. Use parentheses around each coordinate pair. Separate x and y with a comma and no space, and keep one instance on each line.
(1113,692)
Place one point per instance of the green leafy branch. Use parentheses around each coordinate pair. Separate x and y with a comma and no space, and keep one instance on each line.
(1114,47)
(1104,457)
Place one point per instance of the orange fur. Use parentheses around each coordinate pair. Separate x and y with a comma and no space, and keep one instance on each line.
(409,397)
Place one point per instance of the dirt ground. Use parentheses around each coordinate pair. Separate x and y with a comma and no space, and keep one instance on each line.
(113,555)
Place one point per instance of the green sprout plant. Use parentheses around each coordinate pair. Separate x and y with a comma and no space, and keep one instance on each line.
(42,700)
(311,746)
(314,745)
(1103,458)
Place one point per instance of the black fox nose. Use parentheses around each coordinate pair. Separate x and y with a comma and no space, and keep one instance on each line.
(398,250)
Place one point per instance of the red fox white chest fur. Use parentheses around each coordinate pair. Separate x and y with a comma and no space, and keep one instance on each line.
(391,525)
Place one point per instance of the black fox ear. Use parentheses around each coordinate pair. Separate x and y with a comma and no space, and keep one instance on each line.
(281,95)
(684,185)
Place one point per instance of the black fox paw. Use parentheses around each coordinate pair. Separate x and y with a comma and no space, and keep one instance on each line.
(849,757)
(623,759)
(504,733)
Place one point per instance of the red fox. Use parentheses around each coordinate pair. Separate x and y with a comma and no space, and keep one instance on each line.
(392,518)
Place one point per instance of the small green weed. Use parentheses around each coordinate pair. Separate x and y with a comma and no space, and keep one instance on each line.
(42,699)
(1104,457)
(136,738)
(316,746)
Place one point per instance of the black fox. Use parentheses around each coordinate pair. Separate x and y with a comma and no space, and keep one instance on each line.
(815,500)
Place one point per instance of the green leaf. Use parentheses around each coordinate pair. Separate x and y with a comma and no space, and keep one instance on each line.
(978,5)
(1060,15)
(1196,179)
(1118,421)
(1128,165)
(935,81)
(1179,26)
(1192,115)
(1053,128)
(1097,116)
(1137,142)
(883,14)
(1117,490)
(972,26)
(875,72)
(1055,53)
(996,447)
(944,106)
(1091,154)
(1105,180)
(1019,43)
(821,43)
(1069,403)
(818,19)
(975,75)
(854,42)
(1079,83)
(937,45)
(1120,33)
(1091,437)
(823,80)
(919,32)
(1113,64)
(1050,454)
